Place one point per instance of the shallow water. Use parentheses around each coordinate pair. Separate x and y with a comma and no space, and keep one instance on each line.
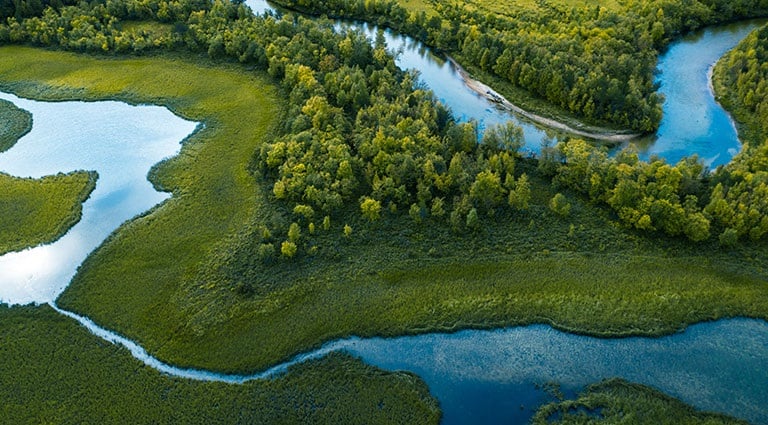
(119,141)
(497,376)
(492,376)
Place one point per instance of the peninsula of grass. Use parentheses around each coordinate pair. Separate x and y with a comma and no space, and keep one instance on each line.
(617,401)
(55,371)
(14,123)
(37,211)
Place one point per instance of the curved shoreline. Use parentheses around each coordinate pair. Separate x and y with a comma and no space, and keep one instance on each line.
(486,91)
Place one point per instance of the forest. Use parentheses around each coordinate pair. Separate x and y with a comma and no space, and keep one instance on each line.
(594,61)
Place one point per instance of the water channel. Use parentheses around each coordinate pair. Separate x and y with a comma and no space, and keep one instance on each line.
(478,376)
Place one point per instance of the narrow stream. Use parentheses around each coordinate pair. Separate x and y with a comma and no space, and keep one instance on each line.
(478,376)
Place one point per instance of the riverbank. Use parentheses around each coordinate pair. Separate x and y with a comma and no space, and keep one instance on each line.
(614,400)
(600,134)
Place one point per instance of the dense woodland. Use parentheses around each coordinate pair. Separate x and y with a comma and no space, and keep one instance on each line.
(739,200)
(357,130)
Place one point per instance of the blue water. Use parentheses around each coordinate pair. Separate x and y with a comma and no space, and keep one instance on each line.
(693,121)
(496,376)
(119,141)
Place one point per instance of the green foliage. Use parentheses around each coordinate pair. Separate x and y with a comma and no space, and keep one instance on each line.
(347,231)
(371,208)
(560,205)
(739,199)
(729,238)
(14,123)
(288,249)
(472,220)
(294,232)
(645,195)
(55,371)
(37,211)
(520,196)
(616,401)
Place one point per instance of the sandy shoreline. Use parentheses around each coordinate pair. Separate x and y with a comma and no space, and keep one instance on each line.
(486,91)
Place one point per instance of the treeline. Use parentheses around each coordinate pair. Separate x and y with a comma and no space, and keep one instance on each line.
(357,130)
(594,62)
(20,9)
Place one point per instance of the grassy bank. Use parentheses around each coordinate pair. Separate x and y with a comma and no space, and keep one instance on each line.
(617,401)
(15,122)
(37,211)
(54,371)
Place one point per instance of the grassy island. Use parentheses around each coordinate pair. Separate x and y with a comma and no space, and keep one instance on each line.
(16,122)
(36,211)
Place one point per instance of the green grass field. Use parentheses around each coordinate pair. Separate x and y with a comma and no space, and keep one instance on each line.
(36,211)
(54,371)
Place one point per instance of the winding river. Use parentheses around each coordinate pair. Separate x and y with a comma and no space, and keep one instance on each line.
(478,376)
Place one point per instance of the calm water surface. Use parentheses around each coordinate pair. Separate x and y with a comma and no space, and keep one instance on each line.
(693,121)
(119,141)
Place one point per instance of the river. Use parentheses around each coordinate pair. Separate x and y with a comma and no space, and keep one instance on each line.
(692,121)
(478,376)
